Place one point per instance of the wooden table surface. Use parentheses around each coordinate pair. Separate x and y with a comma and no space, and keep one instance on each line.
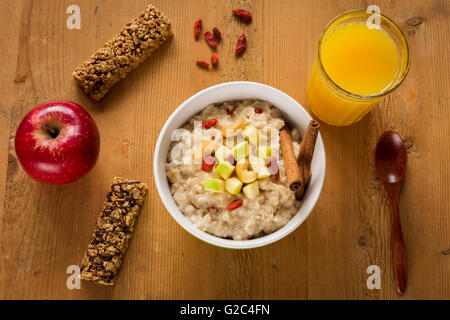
(44,229)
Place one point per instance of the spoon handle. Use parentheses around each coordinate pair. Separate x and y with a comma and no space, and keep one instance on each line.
(398,245)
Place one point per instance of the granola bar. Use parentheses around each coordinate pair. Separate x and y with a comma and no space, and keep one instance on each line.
(113,230)
(123,53)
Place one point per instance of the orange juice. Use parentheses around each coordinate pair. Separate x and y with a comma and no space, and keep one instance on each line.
(356,66)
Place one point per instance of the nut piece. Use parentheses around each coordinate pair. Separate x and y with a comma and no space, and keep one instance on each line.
(243,174)
(207,147)
(228,130)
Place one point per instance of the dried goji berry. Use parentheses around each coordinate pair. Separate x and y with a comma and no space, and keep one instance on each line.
(231,111)
(202,63)
(217,34)
(214,60)
(274,168)
(231,159)
(258,110)
(210,39)
(197,28)
(235,204)
(209,123)
(208,163)
(242,14)
(213,209)
(241,44)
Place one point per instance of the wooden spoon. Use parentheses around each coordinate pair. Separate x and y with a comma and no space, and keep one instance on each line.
(390,162)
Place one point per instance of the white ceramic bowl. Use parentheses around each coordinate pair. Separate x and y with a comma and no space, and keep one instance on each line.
(292,112)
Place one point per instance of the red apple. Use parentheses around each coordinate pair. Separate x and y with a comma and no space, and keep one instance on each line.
(57,142)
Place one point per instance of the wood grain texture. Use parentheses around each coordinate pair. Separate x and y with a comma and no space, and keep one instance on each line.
(44,229)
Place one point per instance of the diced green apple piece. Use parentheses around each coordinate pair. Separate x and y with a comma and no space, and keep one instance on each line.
(214,185)
(251,190)
(233,185)
(265,152)
(251,133)
(240,151)
(259,166)
(224,170)
(222,154)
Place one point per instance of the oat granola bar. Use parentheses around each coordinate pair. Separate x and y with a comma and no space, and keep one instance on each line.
(123,53)
(113,230)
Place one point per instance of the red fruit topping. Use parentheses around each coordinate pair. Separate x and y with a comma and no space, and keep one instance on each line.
(231,111)
(241,45)
(202,63)
(231,159)
(209,123)
(213,210)
(274,169)
(208,163)
(217,34)
(214,60)
(210,39)
(197,28)
(242,14)
(235,204)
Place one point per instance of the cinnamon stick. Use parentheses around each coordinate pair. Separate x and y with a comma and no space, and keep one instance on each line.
(305,155)
(293,173)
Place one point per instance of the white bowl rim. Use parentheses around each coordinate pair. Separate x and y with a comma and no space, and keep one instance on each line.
(228,243)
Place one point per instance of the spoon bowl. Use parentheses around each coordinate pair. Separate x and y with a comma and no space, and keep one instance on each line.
(390,157)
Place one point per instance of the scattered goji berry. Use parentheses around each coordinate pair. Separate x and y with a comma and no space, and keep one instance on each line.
(214,60)
(197,28)
(210,39)
(202,63)
(208,163)
(209,123)
(258,111)
(217,34)
(231,111)
(213,209)
(241,44)
(242,14)
(231,159)
(274,169)
(235,204)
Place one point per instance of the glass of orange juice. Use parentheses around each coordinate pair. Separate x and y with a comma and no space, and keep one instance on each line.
(356,66)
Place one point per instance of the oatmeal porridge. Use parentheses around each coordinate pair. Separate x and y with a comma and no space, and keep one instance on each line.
(227,173)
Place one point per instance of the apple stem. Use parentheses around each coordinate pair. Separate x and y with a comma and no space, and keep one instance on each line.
(51,131)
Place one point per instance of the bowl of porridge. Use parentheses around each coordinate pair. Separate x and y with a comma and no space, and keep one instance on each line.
(219,169)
